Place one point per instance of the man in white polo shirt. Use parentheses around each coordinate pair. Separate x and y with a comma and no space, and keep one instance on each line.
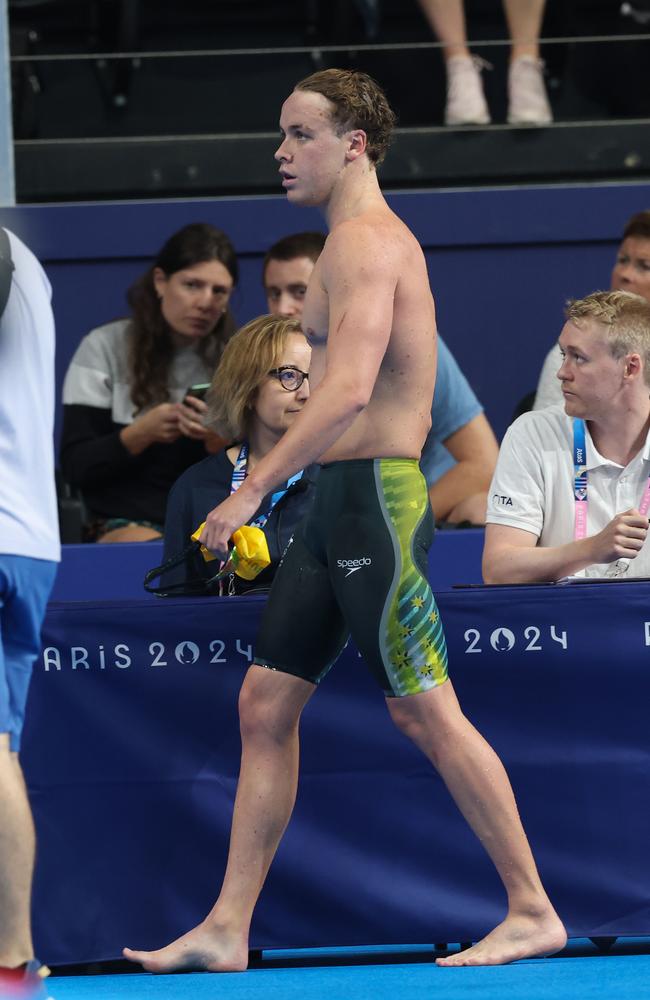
(29,552)
(571,492)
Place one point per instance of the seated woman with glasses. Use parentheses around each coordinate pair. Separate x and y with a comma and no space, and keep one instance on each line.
(260,385)
(131,422)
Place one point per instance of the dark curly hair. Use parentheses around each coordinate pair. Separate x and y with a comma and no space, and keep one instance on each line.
(151,348)
(358,102)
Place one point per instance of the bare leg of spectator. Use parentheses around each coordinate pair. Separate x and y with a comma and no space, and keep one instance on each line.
(130,533)
(524,18)
(528,101)
(447,20)
(465,99)
(16,861)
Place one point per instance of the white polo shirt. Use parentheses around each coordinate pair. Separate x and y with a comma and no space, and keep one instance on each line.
(532,487)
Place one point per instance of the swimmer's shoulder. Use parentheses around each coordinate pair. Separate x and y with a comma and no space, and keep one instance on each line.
(374,236)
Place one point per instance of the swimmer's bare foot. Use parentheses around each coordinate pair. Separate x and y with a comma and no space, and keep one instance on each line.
(517,937)
(203,949)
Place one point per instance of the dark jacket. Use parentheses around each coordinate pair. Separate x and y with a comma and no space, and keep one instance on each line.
(115,483)
(201,488)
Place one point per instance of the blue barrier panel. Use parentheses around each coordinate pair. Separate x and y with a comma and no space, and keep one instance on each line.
(105,572)
(112,572)
(131,752)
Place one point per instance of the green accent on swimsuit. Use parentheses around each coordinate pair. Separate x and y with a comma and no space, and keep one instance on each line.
(411,636)
(358,567)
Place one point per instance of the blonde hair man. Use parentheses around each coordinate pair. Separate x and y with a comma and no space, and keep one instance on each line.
(570,494)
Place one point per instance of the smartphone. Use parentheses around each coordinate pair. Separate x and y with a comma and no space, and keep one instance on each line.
(199,390)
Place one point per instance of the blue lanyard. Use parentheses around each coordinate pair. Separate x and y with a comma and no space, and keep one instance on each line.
(580,481)
(239,475)
(580,478)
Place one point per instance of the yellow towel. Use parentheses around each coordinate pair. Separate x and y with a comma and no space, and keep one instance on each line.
(250,554)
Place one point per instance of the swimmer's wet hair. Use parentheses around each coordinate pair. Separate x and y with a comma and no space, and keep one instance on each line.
(358,102)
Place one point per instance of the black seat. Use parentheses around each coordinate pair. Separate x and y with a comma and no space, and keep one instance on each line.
(73,514)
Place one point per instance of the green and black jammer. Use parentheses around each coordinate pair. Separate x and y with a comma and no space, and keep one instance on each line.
(358,567)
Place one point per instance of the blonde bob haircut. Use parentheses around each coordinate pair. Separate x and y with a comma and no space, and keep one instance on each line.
(625,318)
(247,359)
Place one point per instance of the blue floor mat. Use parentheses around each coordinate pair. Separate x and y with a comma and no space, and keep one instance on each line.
(624,977)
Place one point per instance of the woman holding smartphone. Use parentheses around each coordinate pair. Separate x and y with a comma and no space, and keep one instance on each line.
(132,423)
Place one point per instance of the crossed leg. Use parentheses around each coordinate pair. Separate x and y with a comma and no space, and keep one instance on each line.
(478,783)
(270,705)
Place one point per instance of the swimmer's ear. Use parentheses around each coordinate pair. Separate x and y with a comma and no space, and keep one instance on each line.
(357,143)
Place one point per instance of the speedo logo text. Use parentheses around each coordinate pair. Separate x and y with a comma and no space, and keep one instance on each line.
(352,565)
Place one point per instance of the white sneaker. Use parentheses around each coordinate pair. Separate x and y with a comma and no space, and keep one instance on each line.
(466,103)
(528,101)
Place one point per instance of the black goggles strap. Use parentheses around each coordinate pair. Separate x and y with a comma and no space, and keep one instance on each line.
(199,585)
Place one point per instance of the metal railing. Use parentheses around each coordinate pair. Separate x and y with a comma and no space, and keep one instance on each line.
(7,181)
(311,49)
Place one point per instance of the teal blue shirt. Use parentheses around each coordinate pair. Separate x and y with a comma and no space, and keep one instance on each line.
(454,405)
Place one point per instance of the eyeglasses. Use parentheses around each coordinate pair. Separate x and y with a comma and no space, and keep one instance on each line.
(289,377)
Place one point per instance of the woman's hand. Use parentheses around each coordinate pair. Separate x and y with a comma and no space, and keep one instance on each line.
(159,425)
(191,414)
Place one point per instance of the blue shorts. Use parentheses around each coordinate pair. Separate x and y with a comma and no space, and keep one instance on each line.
(25,586)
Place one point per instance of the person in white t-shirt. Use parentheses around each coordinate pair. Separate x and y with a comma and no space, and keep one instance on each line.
(29,553)
(571,490)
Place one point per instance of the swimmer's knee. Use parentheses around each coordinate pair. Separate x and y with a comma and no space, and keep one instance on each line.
(431,719)
(263,711)
(408,722)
